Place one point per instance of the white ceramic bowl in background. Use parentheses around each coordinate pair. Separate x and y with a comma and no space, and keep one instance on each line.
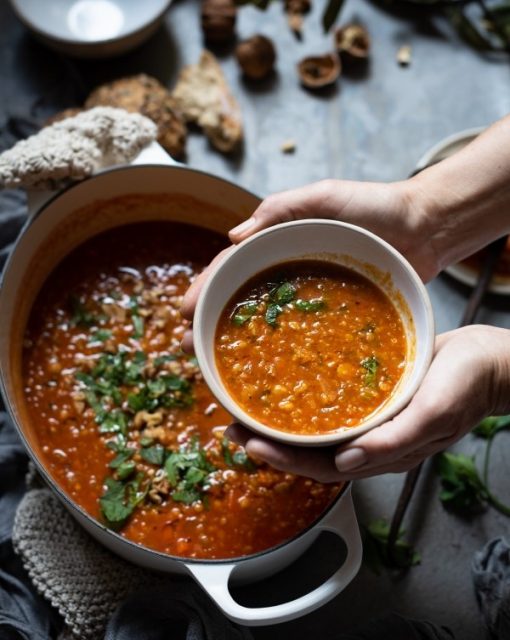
(91,28)
(340,243)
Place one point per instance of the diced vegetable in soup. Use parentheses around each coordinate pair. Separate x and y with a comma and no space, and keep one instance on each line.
(125,422)
(308,347)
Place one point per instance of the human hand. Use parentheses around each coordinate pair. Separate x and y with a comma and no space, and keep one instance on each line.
(392,211)
(469,378)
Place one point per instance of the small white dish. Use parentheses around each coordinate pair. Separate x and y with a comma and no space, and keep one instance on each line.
(91,28)
(330,241)
(461,271)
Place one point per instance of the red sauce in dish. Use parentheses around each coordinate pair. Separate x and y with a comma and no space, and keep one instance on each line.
(127,427)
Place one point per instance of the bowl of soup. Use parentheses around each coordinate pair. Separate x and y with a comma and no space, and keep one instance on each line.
(313,332)
(119,422)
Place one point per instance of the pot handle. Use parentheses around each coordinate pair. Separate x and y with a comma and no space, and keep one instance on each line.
(153,153)
(214,578)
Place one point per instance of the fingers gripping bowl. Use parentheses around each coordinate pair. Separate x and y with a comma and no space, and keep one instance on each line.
(338,319)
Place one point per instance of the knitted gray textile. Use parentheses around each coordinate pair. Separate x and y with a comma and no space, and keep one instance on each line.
(86,583)
(74,148)
(491,577)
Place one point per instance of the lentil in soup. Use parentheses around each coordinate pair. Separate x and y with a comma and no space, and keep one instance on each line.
(308,347)
(126,424)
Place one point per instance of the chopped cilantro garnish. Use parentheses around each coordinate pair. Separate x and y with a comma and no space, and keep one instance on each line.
(244,312)
(188,471)
(272,312)
(81,316)
(121,457)
(154,454)
(126,469)
(101,335)
(120,499)
(371,365)
(284,294)
(309,306)
(138,326)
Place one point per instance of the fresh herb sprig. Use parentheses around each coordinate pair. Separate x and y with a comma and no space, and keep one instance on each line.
(189,472)
(464,490)
(376,552)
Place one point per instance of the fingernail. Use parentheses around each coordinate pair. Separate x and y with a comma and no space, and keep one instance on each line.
(243,227)
(350,459)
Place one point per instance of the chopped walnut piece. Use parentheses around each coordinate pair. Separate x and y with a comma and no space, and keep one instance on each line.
(148,419)
(404,55)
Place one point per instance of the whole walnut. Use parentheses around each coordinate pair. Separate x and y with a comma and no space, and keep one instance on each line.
(256,57)
(218,21)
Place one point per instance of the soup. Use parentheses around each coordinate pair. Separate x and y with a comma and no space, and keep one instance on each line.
(308,347)
(127,427)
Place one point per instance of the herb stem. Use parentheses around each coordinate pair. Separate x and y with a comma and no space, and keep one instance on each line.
(491,498)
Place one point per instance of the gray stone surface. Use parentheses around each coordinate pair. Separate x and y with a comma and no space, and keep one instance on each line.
(373,127)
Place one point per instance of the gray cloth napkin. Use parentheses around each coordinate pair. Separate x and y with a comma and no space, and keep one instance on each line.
(491,577)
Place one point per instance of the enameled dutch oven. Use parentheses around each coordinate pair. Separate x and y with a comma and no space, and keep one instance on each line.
(54,228)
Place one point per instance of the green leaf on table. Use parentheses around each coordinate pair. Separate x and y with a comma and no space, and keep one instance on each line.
(490,426)
(376,553)
(463,489)
(101,335)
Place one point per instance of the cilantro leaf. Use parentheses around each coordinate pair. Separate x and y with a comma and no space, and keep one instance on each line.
(121,457)
(492,425)
(154,454)
(463,489)
(309,306)
(272,312)
(244,312)
(284,294)
(101,335)
(376,552)
(370,364)
(81,316)
(138,326)
(113,503)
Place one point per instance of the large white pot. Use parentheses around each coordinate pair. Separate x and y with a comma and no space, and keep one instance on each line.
(56,227)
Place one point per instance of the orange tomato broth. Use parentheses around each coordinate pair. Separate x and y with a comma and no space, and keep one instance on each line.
(307,347)
(113,298)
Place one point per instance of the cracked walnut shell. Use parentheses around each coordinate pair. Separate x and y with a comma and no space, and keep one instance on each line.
(218,19)
(256,57)
(317,72)
(353,42)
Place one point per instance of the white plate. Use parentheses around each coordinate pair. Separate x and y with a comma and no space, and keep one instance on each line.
(443,149)
(91,28)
